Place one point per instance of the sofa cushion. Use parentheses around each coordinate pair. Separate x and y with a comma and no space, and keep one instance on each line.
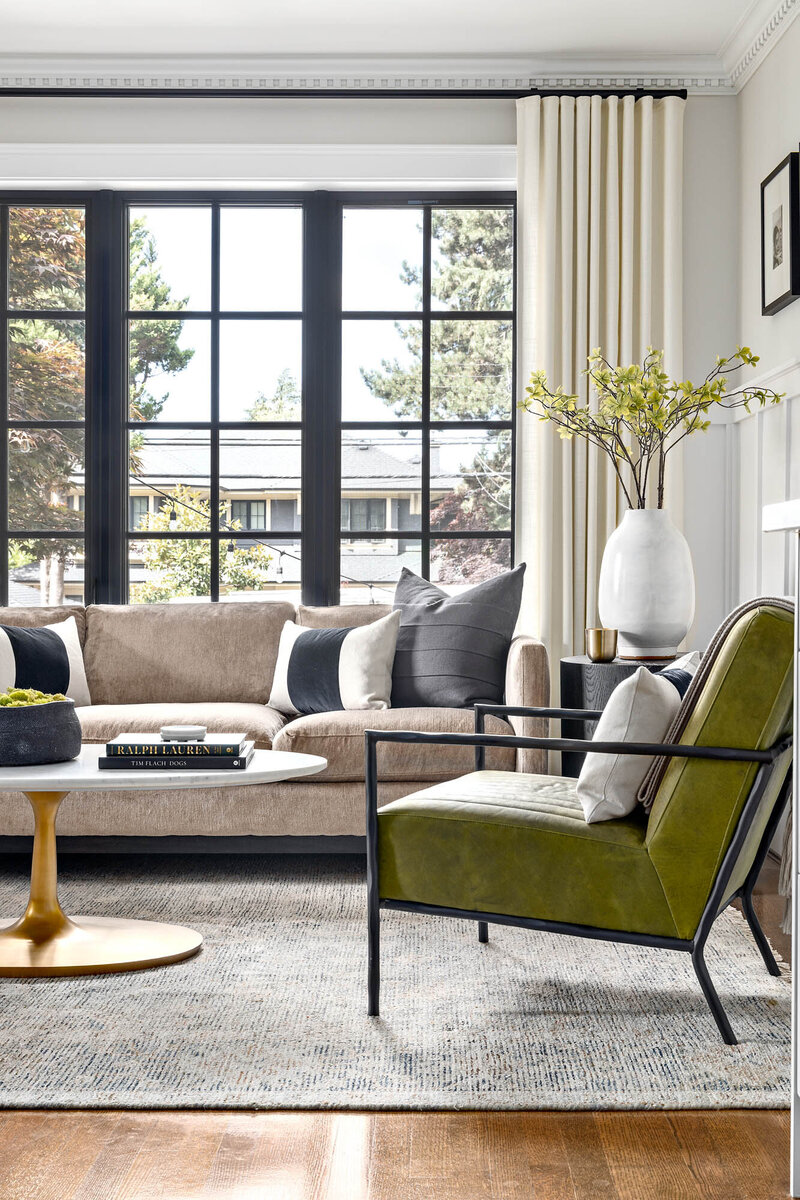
(104,721)
(502,842)
(34,617)
(335,616)
(180,653)
(339,737)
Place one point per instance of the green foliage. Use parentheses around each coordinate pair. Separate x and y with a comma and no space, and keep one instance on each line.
(25,697)
(47,249)
(283,405)
(470,375)
(640,414)
(153,348)
(182,567)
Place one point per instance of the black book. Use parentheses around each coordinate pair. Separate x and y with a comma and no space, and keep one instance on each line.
(142,745)
(213,762)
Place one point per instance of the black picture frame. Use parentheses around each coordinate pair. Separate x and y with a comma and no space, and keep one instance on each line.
(787,230)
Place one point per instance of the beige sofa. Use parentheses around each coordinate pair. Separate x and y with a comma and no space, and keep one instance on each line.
(212,664)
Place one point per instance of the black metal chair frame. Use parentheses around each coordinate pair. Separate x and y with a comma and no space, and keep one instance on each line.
(719,898)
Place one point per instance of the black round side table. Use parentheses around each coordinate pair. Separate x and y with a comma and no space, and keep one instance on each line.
(586,684)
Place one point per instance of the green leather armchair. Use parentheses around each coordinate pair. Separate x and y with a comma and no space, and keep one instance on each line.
(510,848)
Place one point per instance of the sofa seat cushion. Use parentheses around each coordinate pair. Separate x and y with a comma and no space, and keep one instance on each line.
(505,842)
(339,737)
(100,722)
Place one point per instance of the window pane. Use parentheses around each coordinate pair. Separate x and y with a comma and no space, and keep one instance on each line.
(472,259)
(170,258)
(460,563)
(471,479)
(381,370)
(260,365)
(45,475)
(369,573)
(164,569)
(382,260)
(471,370)
(381,470)
(172,468)
(169,370)
(46,258)
(46,371)
(259,479)
(250,570)
(45,571)
(261,259)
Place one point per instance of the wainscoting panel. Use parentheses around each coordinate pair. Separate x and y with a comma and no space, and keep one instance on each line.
(766,466)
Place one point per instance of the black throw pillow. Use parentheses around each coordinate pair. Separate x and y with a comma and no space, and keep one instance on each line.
(452,650)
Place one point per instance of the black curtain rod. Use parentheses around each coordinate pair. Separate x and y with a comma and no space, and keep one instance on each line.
(337,93)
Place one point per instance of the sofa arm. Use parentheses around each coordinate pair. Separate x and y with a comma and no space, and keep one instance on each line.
(528,683)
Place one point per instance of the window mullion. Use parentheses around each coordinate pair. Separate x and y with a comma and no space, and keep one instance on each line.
(322,399)
(214,517)
(425,500)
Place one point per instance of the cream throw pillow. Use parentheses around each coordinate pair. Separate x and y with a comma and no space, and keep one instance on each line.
(640,709)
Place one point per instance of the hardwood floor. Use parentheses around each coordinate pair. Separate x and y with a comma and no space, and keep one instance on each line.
(721,1155)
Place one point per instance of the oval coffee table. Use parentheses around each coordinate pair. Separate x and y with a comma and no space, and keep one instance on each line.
(45,941)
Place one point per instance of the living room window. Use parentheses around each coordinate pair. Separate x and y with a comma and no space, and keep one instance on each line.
(226,395)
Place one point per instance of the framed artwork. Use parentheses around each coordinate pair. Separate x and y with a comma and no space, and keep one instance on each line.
(780,236)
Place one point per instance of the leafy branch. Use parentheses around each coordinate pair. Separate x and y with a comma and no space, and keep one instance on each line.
(641,414)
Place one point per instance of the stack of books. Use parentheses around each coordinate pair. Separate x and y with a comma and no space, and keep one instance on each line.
(145,752)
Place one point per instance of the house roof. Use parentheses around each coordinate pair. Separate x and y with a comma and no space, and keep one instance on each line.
(272,461)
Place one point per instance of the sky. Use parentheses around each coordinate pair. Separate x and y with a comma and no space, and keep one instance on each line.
(261,269)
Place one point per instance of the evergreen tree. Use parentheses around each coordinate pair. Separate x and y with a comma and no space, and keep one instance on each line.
(470,375)
(283,405)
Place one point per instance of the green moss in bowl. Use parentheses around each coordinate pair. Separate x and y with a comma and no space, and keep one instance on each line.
(21,697)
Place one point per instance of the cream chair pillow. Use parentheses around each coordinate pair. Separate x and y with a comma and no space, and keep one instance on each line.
(640,709)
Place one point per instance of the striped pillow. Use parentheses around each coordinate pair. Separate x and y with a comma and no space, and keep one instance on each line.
(325,670)
(48,658)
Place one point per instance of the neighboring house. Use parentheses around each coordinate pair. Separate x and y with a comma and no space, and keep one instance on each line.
(260,486)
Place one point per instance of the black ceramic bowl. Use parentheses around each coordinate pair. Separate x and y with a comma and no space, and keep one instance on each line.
(39,733)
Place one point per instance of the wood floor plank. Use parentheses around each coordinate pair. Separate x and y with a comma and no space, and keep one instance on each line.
(52,1154)
(174,1159)
(643,1148)
(231,1172)
(117,1156)
(586,1154)
(753,1148)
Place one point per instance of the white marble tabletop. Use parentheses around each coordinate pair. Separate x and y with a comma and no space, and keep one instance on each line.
(266,766)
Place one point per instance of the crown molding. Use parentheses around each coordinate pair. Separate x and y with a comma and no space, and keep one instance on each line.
(723,73)
(249,165)
(696,73)
(758,32)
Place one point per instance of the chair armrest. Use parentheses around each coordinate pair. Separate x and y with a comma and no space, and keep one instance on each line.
(542,715)
(527,685)
(667,749)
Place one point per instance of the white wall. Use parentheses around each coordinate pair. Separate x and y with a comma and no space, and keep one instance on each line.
(768,444)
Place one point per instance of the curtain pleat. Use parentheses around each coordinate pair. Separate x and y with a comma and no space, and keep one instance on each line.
(599,259)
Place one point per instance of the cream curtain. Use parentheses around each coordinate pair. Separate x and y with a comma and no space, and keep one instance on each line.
(599,243)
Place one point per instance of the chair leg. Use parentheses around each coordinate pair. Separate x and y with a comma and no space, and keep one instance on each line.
(374,959)
(483,931)
(758,933)
(713,1000)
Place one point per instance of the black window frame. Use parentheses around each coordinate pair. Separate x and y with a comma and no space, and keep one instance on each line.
(106,532)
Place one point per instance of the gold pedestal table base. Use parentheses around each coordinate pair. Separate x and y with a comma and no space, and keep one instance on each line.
(45,941)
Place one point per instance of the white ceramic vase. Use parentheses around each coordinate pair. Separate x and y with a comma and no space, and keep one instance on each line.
(647,585)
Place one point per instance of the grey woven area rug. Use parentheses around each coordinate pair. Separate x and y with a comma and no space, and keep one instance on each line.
(271,1013)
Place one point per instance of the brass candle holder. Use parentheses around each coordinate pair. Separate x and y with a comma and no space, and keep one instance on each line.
(601,644)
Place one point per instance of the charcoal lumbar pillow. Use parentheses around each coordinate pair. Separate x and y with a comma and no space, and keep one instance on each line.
(452,650)
(640,709)
(47,658)
(322,670)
